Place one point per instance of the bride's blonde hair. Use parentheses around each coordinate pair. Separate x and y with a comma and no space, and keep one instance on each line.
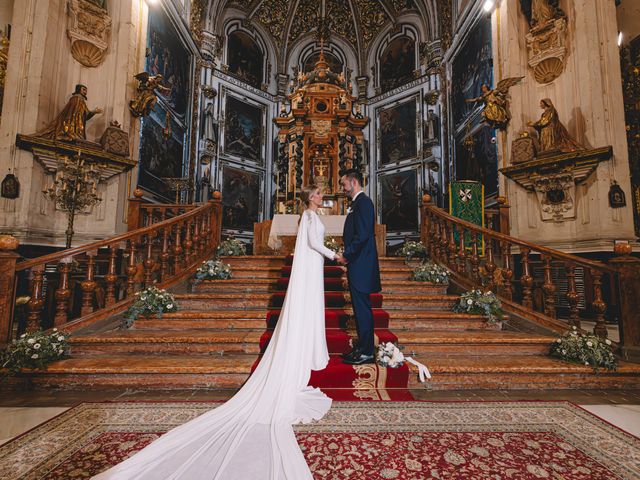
(305,195)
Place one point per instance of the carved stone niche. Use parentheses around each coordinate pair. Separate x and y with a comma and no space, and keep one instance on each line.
(554,179)
(89,29)
(547,49)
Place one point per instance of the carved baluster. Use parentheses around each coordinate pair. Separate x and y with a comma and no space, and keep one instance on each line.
(453,254)
(111,277)
(196,237)
(599,307)
(549,289)
(88,286)
(526,280)
(573,298)
(475,260)
(148,262)
(35,302)
(177,250)
(462,252)
(204,235)
(444,242)
(164,256)
(131,268)
(490,265)
(63,293)
(507,273)
(187,243)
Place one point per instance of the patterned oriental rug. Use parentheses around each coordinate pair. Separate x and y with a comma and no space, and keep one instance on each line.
(358,440)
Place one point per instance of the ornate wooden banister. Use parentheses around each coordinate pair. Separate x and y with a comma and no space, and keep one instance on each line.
(141,214)
(481,257)
(93,281)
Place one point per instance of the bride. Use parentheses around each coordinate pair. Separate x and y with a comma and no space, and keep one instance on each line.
(251,435)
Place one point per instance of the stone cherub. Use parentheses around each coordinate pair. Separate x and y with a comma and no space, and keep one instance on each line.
(146,98)
(496,106)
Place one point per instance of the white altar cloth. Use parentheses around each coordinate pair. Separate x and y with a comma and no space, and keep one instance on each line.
(287,225)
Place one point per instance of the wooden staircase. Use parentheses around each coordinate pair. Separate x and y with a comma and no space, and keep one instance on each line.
(214,339)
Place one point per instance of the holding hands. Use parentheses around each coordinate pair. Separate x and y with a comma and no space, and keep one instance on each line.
(340,259)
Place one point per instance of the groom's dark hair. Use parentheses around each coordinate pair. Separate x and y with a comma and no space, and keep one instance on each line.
(353,174)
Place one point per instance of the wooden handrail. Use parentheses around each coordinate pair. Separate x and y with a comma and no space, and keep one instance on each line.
(79,285)
(475,254)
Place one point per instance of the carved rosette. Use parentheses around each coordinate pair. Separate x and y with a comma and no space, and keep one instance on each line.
(89,29)
(547,50)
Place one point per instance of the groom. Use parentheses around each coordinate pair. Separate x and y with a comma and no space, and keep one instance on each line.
(361,257)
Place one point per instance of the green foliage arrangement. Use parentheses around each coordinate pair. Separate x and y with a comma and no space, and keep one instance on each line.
(151,301)
(431,272)
(480,303)
(34,351)
(213,270)
(585,349)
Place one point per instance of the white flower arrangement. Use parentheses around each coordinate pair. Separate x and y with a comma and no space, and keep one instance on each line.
(212,270)
(34,350)
(482,303)
(148,302)
(231,247)
(389,355)
(431,272)
(585,348)
(332,244)
(412,249)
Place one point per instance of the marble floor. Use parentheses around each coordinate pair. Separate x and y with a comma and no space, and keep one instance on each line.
(21,412)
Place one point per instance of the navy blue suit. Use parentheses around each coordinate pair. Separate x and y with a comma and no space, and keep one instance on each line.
(363,270)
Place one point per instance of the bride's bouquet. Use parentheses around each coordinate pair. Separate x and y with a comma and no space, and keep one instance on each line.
(332,244)
(390,356)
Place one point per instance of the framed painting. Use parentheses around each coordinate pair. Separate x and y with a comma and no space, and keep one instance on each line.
(397,63)
(161,152)
(245,59)
(244,122)
(168,56)
(242,194)
(471,68)
(399,131)
(398,194)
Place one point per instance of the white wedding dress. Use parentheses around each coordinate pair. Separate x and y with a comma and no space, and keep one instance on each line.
(251,436)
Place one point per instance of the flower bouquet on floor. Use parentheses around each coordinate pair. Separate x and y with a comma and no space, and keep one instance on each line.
(34,350)
(586,349)
(231,247)
(389,355)
(411,250)
(480,303)
(212,270)
(432,273)
(151,301)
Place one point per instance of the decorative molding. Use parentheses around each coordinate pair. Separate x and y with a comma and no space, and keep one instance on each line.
(401,89)
(239,83)
(547,50)
(89,29)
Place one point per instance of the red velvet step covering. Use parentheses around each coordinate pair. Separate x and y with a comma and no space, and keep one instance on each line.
(331,284)
(338,341)
(336,318)
(328,271)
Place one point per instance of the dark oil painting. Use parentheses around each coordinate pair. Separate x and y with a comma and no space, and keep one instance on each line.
(240,198)
(246,60)
(397,63)
(160,154)
(399,200)
(398,133)
(480,161)
(243,129)
(471,68)
(167,56)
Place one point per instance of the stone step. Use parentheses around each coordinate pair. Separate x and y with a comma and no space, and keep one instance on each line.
(167,372)
(417,320)
(386,273)
(482,342)
(276,260)
(212,319)
(396,302)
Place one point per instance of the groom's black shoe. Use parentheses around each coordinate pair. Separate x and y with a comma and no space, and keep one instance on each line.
(353,353)
(359,359)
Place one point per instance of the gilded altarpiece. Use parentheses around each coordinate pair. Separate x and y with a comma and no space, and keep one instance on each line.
(320,136)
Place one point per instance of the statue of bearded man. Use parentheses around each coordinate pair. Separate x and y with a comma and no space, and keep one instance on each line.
(70,123)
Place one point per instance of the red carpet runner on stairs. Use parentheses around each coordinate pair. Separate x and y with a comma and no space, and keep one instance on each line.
(340,381)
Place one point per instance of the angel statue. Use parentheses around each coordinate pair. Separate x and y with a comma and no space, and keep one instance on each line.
(146,99)
(496,106)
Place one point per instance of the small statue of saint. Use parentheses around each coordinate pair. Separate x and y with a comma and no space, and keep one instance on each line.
(70,123)
(552,133)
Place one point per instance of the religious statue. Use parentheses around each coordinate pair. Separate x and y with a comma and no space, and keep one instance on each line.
(146,99)
(209,127)
(70,123)
(496,106)
(553,135)
(539,12)
(432,127)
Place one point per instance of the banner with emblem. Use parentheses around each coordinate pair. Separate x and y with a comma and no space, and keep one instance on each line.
(466,201)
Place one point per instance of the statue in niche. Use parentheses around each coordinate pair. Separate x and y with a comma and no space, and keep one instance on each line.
(552,133)
(146,99)
(209,123)
(496,106)
(432,127)
(539,12)
(70,123)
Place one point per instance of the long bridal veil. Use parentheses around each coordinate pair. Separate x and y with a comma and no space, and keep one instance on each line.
(251,435)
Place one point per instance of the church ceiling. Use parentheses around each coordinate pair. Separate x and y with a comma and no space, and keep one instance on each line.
(358,22)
